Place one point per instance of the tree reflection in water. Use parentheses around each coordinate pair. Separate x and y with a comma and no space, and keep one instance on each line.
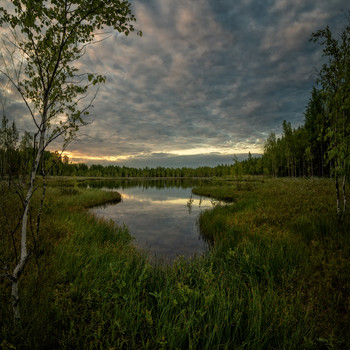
(161,215)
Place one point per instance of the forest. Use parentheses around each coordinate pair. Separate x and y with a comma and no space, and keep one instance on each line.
(298,152)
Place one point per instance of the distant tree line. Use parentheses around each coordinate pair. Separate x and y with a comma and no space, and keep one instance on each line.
(302,151)
(297,153)
(16,158)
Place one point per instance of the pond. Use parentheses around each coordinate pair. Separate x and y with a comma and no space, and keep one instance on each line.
(161,215)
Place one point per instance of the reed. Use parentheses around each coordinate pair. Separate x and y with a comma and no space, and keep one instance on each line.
(276,277)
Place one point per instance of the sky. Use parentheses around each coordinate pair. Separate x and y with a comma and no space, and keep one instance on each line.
(209,79)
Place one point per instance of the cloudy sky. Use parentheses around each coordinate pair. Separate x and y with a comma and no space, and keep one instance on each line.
(208,79)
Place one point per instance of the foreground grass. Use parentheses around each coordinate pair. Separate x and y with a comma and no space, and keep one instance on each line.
(288,231)
(277,277)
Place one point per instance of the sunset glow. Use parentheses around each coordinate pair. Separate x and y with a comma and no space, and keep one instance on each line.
(207,80)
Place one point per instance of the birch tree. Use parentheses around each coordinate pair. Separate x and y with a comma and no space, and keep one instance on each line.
(334,78)
(44,40)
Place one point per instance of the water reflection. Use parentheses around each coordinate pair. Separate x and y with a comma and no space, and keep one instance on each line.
(144,184)
(163,219)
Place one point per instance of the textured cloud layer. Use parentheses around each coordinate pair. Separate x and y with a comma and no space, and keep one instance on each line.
(208,77)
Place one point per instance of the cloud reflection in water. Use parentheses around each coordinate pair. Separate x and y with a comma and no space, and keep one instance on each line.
(163,221)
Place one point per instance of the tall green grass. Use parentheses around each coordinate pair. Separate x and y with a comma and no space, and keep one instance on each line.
(291,228)
(276,277)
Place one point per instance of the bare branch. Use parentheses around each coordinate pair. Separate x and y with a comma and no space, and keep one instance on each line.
(17,88)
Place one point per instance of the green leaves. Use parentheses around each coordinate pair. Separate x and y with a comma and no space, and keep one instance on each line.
(334,77)
(96,79)
(54,36)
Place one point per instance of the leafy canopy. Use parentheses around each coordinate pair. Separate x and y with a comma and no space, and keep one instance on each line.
(334,78)
(50,36)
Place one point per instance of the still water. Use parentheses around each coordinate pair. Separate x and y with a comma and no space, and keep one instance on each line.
(161,216)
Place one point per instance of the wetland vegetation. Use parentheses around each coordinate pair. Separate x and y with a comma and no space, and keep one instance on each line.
(276,276)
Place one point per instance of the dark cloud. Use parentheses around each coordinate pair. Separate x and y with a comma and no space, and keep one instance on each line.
(211,77)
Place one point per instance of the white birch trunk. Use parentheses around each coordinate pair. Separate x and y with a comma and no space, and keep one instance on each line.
(17,272)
